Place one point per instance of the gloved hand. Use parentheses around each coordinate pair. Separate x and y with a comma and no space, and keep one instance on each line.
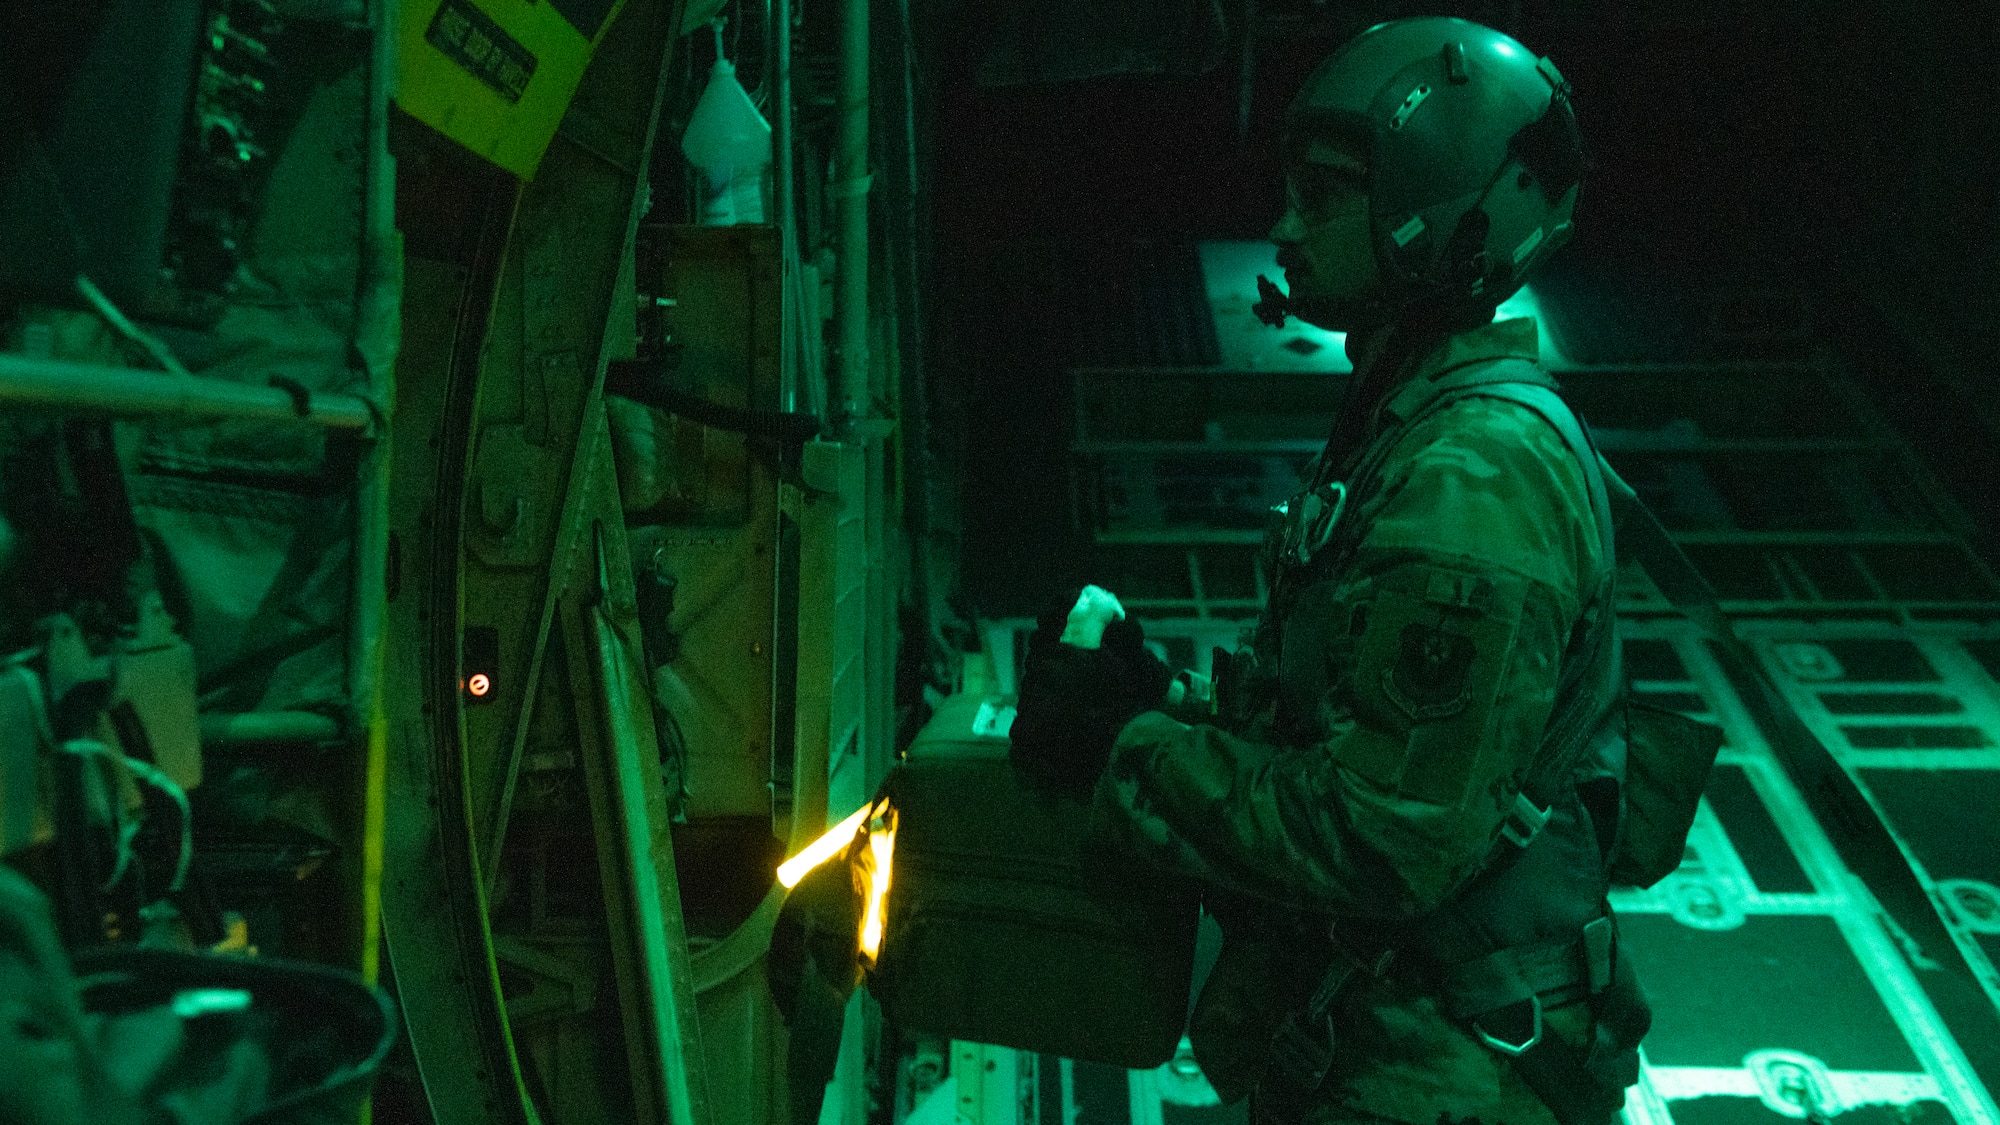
(1076,696)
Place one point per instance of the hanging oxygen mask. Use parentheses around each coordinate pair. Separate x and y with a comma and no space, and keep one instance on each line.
(729,143)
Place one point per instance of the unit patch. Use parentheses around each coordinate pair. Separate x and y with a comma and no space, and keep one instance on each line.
(1432,676)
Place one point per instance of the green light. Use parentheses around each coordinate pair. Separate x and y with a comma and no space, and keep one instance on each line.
(1526,303)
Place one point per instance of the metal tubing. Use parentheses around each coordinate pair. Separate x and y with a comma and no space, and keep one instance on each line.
(745,946)
(781,125)
(84,388)
(667,976)
(378,333)
(790,351)
(851,189)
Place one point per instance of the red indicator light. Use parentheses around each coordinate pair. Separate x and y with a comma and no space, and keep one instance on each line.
(479,684)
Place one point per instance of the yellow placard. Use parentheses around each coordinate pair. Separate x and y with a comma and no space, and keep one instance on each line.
(493,75)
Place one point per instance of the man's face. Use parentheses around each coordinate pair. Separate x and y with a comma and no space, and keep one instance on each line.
(1324,245)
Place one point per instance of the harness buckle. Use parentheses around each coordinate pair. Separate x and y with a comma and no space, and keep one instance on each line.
(1524,821)
(1597,953)
(1512,1050)
(1310,520)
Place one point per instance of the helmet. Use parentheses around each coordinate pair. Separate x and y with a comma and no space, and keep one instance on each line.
(1470,162)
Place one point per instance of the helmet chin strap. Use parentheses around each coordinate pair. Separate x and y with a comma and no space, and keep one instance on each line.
(1421,300)
(1448,293)
(1276,305)
(1360,315)
(1433,309)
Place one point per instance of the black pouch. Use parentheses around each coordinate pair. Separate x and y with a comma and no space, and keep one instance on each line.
(1667,759)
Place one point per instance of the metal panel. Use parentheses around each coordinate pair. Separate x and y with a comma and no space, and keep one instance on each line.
(833,619)
(528,844)
(721,542)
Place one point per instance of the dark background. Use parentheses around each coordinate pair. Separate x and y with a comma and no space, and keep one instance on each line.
(1843,150)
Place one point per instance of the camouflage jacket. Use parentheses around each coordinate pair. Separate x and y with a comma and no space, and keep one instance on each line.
(1398,700)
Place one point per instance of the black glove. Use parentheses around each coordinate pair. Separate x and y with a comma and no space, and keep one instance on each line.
(812,968)
(1074,701)
(815,945)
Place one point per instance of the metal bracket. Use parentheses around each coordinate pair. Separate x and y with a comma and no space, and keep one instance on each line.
(1511,1050)
(1524,821)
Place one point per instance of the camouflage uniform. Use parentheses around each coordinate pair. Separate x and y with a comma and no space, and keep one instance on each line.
(1396,701)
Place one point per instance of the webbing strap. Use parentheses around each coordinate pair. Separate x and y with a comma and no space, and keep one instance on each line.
(1561,1075)
(1511,975)
(1510,988)
(1589,675)
(1302,1048)
(1597,673)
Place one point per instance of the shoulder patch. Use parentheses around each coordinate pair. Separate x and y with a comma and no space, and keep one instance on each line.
(1427,671)
(1432,676)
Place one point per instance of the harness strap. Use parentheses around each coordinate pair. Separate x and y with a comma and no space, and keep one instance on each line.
(1569,730)
(1581,1085)
(1590,671)
(1508,982)
(1302,1048)
(1558,971)
(1552,1067)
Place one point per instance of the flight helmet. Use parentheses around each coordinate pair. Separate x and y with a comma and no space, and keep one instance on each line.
(1465,146)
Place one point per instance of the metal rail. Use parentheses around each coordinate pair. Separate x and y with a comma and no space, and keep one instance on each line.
(1559,370)
(664,977)
(1609,442)
(84,388)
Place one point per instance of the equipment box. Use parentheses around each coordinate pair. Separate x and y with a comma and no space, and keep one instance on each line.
(1003,928)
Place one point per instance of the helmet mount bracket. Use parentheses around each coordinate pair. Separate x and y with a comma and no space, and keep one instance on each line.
(1454,64)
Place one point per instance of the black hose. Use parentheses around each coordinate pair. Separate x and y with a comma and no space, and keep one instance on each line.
(641,381)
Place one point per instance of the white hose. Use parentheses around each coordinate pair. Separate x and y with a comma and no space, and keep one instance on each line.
(144,771)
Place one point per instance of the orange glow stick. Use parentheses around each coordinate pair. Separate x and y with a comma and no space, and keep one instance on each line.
(822,849)
(881,846)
